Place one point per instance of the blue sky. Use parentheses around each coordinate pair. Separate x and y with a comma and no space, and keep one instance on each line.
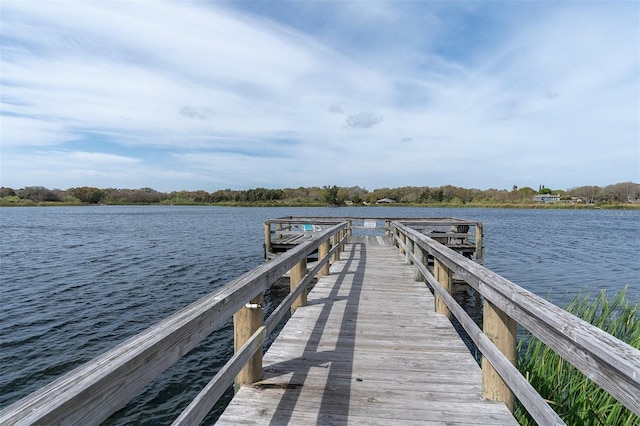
(213,95)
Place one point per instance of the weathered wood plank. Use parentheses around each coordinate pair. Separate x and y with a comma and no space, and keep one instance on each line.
(368,349)
(402,409)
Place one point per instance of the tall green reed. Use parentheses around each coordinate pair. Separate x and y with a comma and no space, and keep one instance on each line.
(576,399)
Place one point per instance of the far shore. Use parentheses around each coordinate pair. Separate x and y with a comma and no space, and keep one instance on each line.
(545,206)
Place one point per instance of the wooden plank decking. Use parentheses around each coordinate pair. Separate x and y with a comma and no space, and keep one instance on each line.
(368,349)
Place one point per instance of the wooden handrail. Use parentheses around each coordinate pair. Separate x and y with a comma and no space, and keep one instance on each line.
(612,364)
(92,392)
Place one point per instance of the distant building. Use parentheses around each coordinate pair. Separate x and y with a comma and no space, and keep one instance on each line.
(385,201)
(546,198)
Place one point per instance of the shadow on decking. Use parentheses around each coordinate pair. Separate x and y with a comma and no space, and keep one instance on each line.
(329,412)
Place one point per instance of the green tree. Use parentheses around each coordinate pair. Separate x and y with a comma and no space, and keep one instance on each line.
(37,194)
(87,194)
(6,192)
(330,195)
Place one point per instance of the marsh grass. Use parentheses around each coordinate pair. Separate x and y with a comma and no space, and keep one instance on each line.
(576,399)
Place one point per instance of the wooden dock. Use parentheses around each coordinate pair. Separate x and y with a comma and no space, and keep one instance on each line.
(367,349)
(370,342)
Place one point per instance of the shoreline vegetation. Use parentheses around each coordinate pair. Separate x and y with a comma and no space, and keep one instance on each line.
(624,195)
(576,398)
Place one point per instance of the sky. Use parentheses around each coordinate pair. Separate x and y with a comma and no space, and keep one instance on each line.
(189,95)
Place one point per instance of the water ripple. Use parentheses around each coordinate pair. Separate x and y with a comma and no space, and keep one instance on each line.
(75,282)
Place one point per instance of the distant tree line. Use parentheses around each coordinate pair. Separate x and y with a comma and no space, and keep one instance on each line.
(619,193)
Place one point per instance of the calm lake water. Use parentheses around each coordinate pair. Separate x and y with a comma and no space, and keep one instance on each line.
(76,281)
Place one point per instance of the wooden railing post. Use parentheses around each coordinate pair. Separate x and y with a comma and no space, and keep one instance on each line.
(267,239)
(409,251)
(349,229)
(479,246)
(403,238)
(323,251)
(422,258)
(387,228)
(396,233)
(296,275)
(501,330)
(335,241)
(443,275)
(246,322)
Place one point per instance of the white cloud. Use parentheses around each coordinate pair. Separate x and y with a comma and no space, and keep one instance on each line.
(196,95)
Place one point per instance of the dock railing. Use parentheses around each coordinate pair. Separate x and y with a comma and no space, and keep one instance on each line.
(609,362)
(95,390)
(92,392)
(462,235)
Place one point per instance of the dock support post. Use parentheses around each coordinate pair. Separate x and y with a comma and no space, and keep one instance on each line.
(422,258)
(246,322)
(403,238)
(479,246)
(323,251)
(349,229)
(410,245)
(387,228)
(296,275)
(267,239)
(443,275)
(501,330)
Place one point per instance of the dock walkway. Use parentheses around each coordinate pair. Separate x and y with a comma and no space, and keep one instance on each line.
(368,349)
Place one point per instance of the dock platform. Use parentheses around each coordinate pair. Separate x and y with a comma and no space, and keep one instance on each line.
(367,349)
(370,340)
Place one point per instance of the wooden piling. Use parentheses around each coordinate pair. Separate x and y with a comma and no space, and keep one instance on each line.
(246,322)
(501,330)
(267,239)
(479,246)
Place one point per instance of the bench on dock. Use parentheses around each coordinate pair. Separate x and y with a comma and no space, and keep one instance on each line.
(370,333)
